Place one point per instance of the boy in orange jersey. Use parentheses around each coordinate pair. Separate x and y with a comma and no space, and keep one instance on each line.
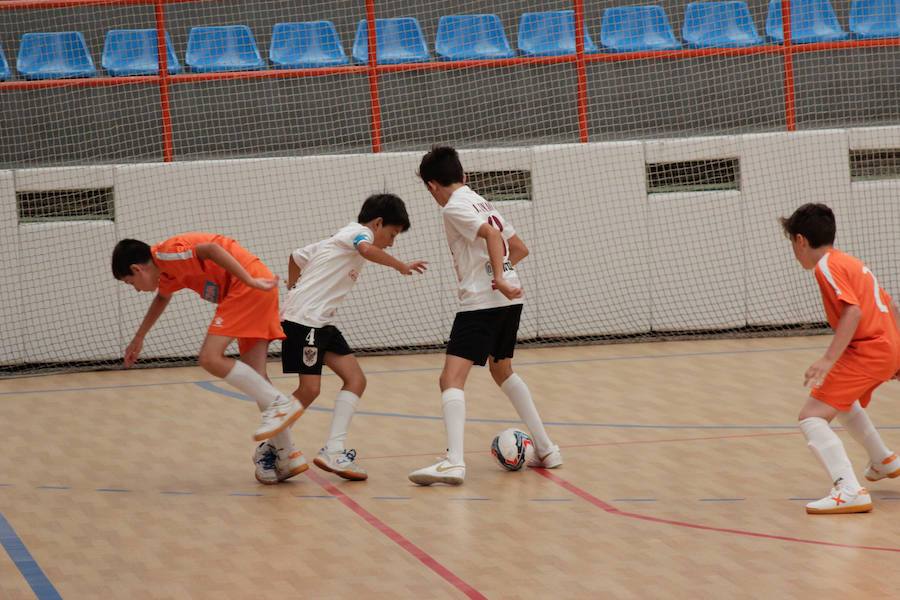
(864,353)
(224,273)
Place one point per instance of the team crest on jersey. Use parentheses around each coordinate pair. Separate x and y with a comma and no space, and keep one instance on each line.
(310,356)
(218,322)
(211,292)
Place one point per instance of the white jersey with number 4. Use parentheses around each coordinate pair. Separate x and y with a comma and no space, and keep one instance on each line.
(328,271)
(464,214)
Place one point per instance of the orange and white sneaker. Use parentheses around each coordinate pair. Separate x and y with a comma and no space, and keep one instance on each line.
(280,415)
(290,462)
(889,467)
(841,501)
(550,459)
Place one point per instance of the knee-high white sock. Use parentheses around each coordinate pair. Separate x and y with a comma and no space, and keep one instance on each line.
(518,393)
(827,447)
(344,407)
(453,402)
(245,378)
(856,421)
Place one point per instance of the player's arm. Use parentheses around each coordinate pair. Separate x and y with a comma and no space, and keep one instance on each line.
(373,253)
(517,250)
(156,308)
(494,240)
(220,256)
(843,335)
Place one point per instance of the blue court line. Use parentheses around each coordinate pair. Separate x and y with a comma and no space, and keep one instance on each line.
(803,499)
(176,493)
(325,496)
(549,499)
(244,494)
(6,485)
(391,498)
(634,500)
(54,487)
(722,499)
(113,490)
(27,566)
(434,369)
(469,498)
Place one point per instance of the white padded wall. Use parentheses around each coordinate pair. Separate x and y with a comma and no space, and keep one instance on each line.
(12,327)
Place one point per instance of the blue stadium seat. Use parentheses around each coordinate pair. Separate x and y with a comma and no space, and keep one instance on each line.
(875,18)
(550,34)
(58,55)
(134,52)
(637,28)
(4,67)
(306,45)
(398,40)
(719,25)
(811,21)
(471,37)
(222,48)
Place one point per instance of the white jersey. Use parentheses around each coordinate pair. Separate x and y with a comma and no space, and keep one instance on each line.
(464,214)
(328,271)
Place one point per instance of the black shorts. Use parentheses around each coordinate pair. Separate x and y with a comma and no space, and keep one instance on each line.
(477,334)
(303,351)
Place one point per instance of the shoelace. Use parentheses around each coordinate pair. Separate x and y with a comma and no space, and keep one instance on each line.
(350,455)
(267,460)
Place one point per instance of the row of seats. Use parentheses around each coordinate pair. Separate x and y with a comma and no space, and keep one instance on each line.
(459,37)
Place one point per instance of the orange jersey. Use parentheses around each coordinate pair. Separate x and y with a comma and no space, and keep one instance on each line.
(181,268)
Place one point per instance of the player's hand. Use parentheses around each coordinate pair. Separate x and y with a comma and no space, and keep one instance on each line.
(507,289)
(264,284)
(815,374)
(416,266)
(133,351)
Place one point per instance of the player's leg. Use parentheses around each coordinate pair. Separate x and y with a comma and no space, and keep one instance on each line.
(547,454)
(882,461)
(334,457)
(847,495)
(288,461)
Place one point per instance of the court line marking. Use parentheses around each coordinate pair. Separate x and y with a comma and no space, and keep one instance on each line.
(397,538)
(25,563)
(609,508)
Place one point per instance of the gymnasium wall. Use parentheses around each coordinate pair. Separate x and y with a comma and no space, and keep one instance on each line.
(607,257)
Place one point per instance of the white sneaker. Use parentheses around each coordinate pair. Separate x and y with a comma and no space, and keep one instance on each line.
(289,464)
(442,471)
(889,467)
(341,462)
(841,501)
(280,415)
(264,458)
(549,460)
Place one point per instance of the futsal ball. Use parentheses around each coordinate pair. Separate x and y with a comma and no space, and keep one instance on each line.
(511,448)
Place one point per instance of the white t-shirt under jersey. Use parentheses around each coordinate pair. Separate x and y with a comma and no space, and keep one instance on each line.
(464,214)
(328,271)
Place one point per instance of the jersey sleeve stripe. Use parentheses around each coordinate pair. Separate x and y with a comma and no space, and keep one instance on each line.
(823,266)
(186,255)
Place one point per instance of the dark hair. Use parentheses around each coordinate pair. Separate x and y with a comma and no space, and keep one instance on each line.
(127,253)
(441,164)
(389,207)
(815,222)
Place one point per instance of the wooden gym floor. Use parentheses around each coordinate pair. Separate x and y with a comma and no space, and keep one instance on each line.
(684,476)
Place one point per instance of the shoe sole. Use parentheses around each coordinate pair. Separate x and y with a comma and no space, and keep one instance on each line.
(862,508)
(261,437)
(893,475)
(425,479)
(301,469)
(264,482)
(345,474)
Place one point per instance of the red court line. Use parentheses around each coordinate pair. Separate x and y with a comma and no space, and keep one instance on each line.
(609,508)
(397,538)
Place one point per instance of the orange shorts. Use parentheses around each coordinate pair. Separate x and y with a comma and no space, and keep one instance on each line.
(850,379)
(247,313)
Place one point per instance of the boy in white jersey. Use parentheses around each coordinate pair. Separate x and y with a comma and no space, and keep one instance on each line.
(320,276)
(483,245)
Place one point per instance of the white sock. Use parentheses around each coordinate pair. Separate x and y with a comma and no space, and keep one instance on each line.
(827,447)
(518,393)
(453,402)
(245,378)
(344,407)
(860,427)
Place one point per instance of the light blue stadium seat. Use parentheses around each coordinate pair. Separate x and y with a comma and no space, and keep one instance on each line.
(550,34)
(306,45)
(4,67)
(637,28)
(471,37)
(811,21)
(875,18)
(58,55)
(134,52)
(398,40)
(719,25)
(223,48)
